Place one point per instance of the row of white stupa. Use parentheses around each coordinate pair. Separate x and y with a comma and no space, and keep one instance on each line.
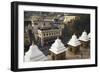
(75,42)
(34,54)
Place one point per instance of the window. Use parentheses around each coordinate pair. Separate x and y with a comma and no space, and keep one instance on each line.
(35,23)
(44,24)
(44,35)
(47,34)
(50,34)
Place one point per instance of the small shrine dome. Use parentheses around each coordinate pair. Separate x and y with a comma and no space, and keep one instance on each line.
(34,54)
(57,47)
(74,41)
(84,37)
(89,35)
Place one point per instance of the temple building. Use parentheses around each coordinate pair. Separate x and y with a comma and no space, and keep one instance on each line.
(47,30)
(47,36)
(84,39)
(70,18)
(74,45)
(34,54)
(46,27)
(58,50)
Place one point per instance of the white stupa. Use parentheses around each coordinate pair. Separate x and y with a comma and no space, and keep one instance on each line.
(84,37)
(34,54)
(89,35)
(74,41)
(57,47)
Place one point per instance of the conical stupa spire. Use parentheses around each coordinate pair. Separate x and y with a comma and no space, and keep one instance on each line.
(84,36)
(74,41)
(34,54)
(89,35)
(57,47)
